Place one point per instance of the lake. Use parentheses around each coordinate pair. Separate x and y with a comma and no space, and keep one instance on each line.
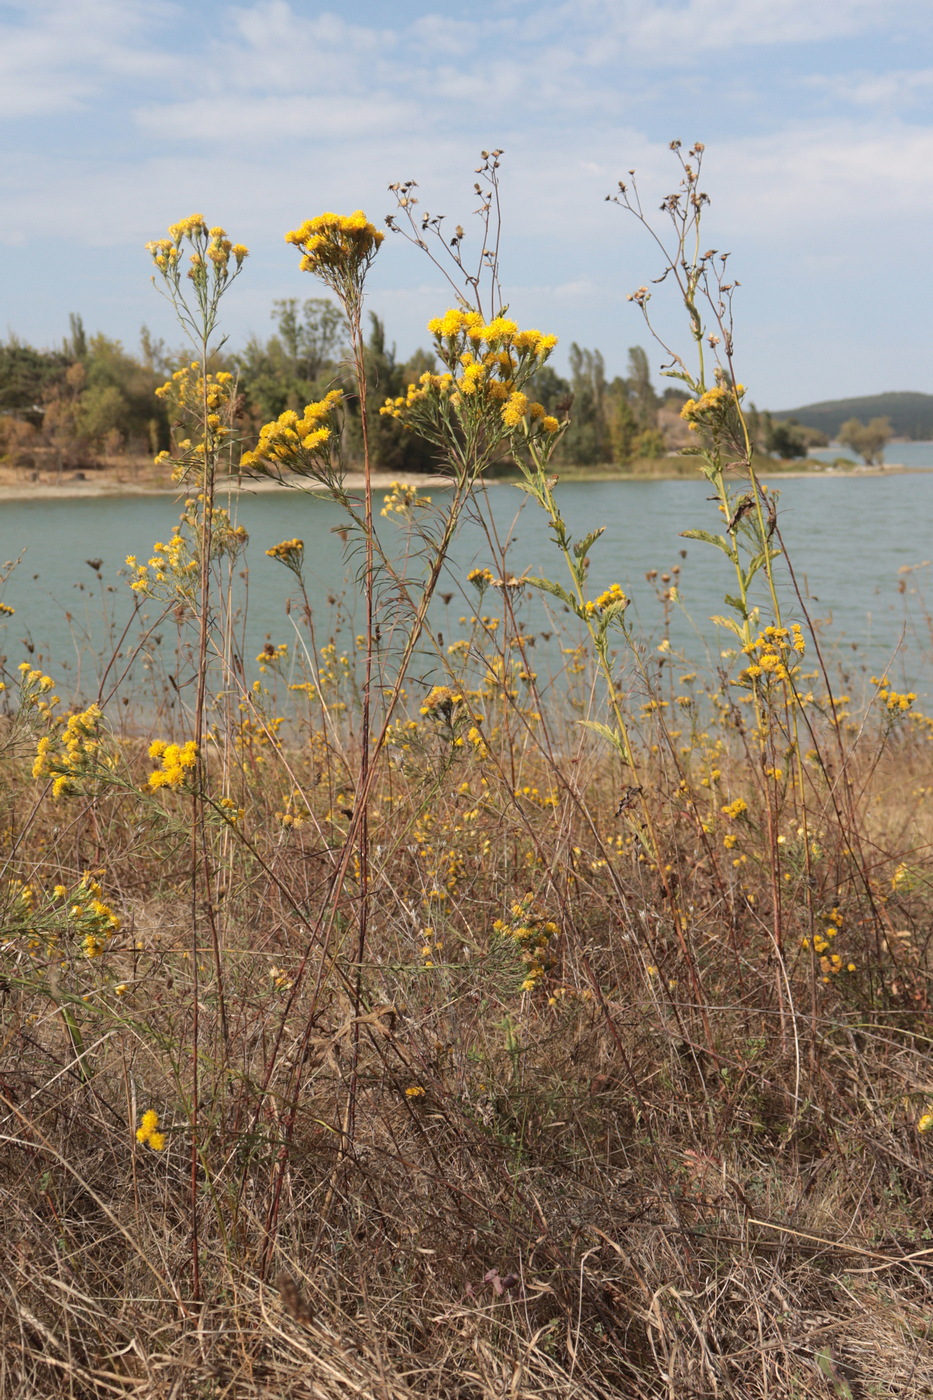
(861,547)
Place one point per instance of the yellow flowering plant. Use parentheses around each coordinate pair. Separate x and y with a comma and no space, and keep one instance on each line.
(305,445)
(200,406)
(713,412)
(70,754)
(174,572)
(338,249)
(290,553)
(213,262)
(476,408)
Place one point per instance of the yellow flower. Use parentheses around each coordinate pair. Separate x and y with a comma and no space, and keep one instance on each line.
(177,762)
(147,1132)
(415,1092)
(335,244)
(296,442)
(515,408)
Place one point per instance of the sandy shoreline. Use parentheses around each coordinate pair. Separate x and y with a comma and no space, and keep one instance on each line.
(100,488)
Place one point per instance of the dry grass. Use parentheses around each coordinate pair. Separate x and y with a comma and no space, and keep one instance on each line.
(623,1182)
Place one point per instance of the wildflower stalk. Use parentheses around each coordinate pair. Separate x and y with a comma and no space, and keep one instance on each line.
(598,617)
(214,263)
(339,250)
(715,414)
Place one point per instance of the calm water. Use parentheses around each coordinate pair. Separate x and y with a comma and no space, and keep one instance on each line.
(851,541)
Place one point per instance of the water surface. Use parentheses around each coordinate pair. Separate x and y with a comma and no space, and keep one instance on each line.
(861,547)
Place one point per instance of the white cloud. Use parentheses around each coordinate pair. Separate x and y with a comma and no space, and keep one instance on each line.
(838,176)
(63,55)
(272,119)
(888,91)
(677,31)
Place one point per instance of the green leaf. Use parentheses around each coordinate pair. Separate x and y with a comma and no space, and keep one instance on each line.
(719,541)
(582,547)
(736,603)
(608,734)
(683,376)
(546,585)
(728,623)
(758,561)
(610,615)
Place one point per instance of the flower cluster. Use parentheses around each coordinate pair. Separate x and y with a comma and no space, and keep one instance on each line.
(90,917)
(69,919)
(211,249)
(200,405)
(228,811)
(301,443)
(533,933)
(402,499)
(71,754)
(34,691)
(148,1133)
(293,814)
(291,553)
(272,655)
(712,408)
(896,703)
(831,964)
(440,702)
(174,569)
(613,598)
(173,561)
(732,810)
(177,763)
(488,365)
(338,249)
(771,652)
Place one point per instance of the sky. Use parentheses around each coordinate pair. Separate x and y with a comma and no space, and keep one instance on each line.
(119,117)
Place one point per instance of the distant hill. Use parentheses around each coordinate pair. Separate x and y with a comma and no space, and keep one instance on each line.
(911,415)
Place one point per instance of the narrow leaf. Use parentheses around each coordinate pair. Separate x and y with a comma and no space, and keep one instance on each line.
(718,540)
(546,585)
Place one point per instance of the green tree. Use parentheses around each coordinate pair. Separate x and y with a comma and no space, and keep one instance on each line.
(27,377)
(786,437)
(393,449)
(587,440)
(313,337)
(641,393)
(547,387)
(783,438)
(867,439)
(76,345)
(621,420)
(295,366)
(118,401)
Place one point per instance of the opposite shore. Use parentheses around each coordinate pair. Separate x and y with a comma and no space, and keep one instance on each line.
(109,485)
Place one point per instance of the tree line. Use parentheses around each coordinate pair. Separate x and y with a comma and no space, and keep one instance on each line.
(91,401)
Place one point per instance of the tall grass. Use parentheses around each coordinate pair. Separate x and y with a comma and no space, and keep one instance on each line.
(456,1030)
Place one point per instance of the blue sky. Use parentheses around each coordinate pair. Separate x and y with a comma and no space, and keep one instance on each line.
(118,117)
